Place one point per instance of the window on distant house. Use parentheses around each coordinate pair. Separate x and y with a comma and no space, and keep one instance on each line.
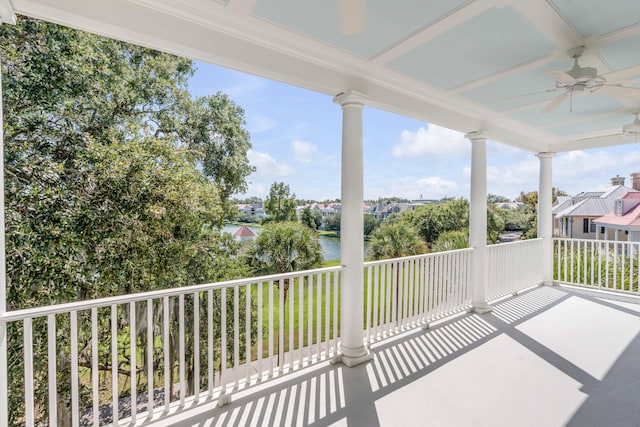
(592,227)
(601,230)
(585,225)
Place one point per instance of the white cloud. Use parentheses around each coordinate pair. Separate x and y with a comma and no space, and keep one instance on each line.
(268,166)
(244,84)
(432,187)
(257,123)
(434,141)
(303,151)
(573,172)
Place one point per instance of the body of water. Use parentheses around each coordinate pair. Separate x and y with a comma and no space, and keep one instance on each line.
(330,245)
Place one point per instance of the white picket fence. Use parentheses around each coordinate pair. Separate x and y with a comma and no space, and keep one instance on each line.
(173,342)
(513,266)
(407,292)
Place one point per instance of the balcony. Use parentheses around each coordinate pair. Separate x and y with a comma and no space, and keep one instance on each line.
(570,351)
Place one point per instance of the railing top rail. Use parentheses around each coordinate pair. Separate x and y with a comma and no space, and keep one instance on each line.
(407,258)
(517,242)
(573,239)
(161,293)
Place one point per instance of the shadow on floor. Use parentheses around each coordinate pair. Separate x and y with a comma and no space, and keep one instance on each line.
(538,359)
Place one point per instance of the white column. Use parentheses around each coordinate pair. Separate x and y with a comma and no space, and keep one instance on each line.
(478,222)
(545,216)
(353,350)
(4,383)
(616,235)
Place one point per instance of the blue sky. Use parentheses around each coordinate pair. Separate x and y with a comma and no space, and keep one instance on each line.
(296,136)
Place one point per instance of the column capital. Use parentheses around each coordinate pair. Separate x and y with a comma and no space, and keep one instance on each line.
(545,155)
(478,135)
(351,98)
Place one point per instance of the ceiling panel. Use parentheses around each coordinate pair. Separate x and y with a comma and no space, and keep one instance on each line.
(446,62)
(387,22)
(492,41)
(584,106)
(613,123)
(598,17)
(622,53)
(517,90)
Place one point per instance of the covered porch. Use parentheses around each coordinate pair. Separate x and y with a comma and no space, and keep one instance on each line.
(411,340)
(550,356)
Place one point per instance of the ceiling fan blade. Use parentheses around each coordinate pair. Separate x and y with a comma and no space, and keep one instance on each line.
(555,102)
(353,16)
(560,77)
(514,98)
(623,75)
(613,90)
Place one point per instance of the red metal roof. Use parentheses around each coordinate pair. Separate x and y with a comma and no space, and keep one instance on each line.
(244,231)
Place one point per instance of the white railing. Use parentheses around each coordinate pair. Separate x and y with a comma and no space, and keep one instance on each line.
(602,264)
(174,342)
(407,292)
(513,266)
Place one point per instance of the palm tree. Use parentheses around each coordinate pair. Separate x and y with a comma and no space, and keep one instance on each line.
(283,247)
(394,240)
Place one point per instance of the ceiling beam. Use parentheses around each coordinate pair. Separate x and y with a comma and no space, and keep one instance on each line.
(7,14)
(454,18)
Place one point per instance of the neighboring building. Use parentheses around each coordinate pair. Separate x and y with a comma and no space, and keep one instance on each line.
(382,210)
(511,206)
(327,209)
(575,217)
(252,209)
(623,221)
(244,234)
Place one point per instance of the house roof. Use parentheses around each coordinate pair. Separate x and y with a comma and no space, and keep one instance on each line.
(563,203)
(631,218)
(632,195)
(244,231)
(595,206)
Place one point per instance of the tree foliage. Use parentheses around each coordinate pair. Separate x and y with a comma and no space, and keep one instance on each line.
(280,206)
(432,219)
(370,224)
(451,240)
(307,218)
(332,222)
(494,198)
(395,239)
(284,247)
(116,178)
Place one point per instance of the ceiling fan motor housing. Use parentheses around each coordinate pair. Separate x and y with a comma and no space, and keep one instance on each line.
(583,74)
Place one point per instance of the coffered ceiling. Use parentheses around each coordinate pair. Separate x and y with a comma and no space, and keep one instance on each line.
(487,65)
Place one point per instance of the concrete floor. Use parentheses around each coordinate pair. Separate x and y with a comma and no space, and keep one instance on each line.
(553,356)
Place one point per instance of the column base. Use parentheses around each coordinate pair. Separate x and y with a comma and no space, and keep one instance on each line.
(550,283)
(351,357)
(480,308)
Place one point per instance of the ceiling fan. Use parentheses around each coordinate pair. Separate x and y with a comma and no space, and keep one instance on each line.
(583,79)
(633,128)
(353,16)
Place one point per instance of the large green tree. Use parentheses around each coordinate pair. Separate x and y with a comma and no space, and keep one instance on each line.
(280,206)
(116,178)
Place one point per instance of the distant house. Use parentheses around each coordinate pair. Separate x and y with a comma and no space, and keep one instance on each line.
(575,217)
(252,209)
(624,220)
(327,209)
(244,234)
(511,206)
